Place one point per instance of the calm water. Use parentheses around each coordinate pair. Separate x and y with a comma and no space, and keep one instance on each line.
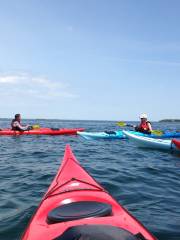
(146,182)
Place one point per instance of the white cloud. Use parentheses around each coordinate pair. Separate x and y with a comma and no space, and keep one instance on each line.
(16,85)
(8,79)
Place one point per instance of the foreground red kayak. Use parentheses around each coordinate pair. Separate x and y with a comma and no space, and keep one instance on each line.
(76,207)
(42,131)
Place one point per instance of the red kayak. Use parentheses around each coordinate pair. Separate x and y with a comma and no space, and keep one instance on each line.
(176,143)
(76,207)
(42,131)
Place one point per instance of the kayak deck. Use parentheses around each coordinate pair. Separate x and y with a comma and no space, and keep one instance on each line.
(165,135)
(73,186)
(41,131)
(102,135)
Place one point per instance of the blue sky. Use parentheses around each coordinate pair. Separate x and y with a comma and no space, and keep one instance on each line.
(90,59)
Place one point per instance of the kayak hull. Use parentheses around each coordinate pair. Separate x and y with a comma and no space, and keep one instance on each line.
(102,135)
(41,131)
(147,142)
(73,184)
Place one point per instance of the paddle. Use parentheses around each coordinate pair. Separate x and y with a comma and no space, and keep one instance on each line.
(35,126)
(123,124)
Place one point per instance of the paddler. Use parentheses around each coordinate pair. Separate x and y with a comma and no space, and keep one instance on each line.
(145,125)
(16,124)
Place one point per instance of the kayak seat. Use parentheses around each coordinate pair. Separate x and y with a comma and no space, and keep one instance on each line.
(96,232)
(77,210)
(54,129)
(110,132)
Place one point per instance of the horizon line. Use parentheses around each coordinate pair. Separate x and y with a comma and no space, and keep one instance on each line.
(100,120)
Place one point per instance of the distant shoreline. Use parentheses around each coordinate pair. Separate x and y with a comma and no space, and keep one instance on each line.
(170,120)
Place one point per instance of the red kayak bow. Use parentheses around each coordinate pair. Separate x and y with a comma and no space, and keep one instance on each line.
(77,207)
(176,143)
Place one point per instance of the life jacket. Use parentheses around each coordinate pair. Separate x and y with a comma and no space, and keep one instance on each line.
(144,126)
(14,127)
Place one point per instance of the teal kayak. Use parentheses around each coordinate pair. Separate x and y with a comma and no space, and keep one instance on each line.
(102,135)
(120,135)
(147,142)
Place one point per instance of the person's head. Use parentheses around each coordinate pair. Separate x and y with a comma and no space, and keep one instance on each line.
(17,117)
(143,117)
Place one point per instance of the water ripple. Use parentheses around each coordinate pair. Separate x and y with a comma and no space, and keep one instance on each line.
(146,182)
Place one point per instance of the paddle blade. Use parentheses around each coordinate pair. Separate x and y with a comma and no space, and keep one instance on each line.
(157,132)
(36,126)
(121,124)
